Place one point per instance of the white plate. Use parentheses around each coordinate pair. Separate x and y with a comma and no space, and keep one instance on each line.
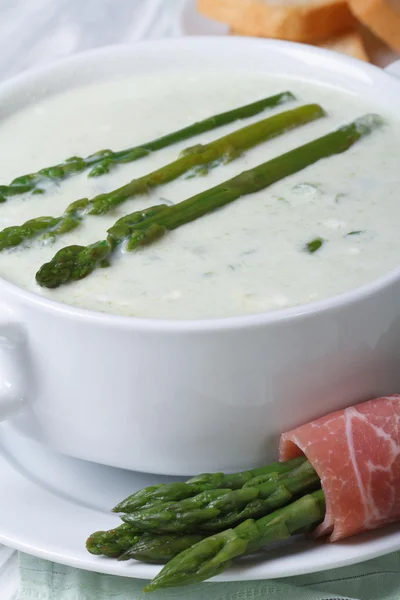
(191,22)
(50,504)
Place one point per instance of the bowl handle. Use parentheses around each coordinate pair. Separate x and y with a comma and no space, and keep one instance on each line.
(12,364)
(394,69)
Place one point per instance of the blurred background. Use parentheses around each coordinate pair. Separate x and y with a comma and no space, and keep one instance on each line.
(35,32)
(38,31)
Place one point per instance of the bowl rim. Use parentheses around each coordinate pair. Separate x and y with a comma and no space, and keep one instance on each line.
(331,303)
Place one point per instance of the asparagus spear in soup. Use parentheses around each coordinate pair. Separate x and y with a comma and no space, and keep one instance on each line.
(144,227)
(103,161)
(197,158)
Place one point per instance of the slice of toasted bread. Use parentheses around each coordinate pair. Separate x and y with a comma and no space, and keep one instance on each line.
(382,17)
(296,20)
(349,43)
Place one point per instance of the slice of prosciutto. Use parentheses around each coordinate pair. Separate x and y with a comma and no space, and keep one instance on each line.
(356,453)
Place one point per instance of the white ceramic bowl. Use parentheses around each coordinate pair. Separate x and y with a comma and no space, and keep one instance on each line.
(181,397)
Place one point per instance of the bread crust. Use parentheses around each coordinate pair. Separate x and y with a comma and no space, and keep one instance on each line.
(382,17)
(350,43)
(318,20)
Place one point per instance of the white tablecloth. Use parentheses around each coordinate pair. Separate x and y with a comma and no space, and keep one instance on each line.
(34,32)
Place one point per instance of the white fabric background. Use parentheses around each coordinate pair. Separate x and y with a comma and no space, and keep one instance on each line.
(35,32)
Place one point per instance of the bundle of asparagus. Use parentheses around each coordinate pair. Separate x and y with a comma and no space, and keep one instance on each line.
(174,521)
(143,227)
(270,504)
(214,554)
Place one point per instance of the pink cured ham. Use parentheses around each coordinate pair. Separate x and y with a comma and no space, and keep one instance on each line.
(356,453)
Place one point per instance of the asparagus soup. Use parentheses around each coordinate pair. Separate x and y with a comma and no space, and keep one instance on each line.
(306,232)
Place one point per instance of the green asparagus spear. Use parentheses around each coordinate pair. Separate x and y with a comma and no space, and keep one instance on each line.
(235,481)
(225,149)
(125,542)
(216,510)
(273,493)
(173,492)
(113,542)
(140,229)
(214,554)
(102,162)
(159,549)
(184,515)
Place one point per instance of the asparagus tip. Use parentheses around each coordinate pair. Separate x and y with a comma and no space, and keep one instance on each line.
(369,122)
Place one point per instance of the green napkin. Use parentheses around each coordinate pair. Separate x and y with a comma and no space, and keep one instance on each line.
(378,579)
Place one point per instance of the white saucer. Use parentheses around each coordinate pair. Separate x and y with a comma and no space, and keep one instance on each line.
(50,504)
